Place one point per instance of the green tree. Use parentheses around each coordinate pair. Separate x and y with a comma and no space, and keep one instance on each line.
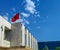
(45,48)
(57,48)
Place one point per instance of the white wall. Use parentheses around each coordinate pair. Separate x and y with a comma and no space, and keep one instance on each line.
(30,41)
(27,37)
(3,24)
(23,35)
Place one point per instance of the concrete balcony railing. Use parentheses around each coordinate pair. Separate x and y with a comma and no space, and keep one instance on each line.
(4,43)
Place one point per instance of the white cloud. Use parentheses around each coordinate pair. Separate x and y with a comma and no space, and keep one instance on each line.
(36,12)
(38,15)
(6,16)
(30,6)
(26,21)
(30,3)
(14,9)
(25,14)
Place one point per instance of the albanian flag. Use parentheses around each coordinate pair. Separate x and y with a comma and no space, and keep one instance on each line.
(14,18)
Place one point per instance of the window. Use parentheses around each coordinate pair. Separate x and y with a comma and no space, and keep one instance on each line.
(7,34)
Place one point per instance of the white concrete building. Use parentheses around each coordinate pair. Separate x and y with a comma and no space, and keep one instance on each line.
(16,37)
(4,26)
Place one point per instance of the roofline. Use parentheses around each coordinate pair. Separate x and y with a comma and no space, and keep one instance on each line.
(5,19)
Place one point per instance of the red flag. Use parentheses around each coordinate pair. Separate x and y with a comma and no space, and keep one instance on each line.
(16,17)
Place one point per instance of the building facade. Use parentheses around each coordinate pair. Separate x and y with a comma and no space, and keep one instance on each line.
(16,37)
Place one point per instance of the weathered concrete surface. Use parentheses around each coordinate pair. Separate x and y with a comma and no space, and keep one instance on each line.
(16,35)
(2,48)
(15,48)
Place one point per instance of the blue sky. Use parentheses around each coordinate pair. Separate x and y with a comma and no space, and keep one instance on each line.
(41,17)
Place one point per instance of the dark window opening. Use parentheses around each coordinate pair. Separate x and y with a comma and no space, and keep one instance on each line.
(7,35)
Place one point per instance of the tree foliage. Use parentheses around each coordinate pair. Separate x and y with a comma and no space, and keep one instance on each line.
(45,48)
(57,48)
